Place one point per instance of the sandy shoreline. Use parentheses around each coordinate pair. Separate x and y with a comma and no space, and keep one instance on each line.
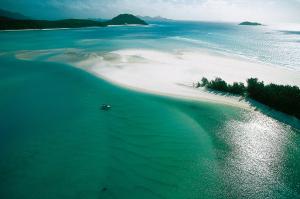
(173,74)
(170,73)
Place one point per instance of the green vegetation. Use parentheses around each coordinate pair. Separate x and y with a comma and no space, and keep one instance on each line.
(248,23)
(124,19)
(283,98)
(220,85)
(155,19)
(11,24)
(15,24)
(12,15)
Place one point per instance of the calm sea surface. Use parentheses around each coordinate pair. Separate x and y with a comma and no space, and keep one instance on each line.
(55,142)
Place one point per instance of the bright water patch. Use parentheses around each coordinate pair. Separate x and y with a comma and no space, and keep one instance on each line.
(57,143)
(259,43)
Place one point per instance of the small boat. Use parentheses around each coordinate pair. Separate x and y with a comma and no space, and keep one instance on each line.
(105,107)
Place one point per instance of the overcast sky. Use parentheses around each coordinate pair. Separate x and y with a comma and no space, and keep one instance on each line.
(208,10)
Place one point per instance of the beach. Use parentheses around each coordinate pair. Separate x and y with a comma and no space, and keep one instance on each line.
(178,72)
(162,138)
(174,73)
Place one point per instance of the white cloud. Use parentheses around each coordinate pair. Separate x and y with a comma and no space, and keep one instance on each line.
(211,10)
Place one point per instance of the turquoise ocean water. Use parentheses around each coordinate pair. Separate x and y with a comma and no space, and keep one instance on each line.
(55,142)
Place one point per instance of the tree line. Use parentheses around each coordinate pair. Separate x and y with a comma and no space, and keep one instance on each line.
(284,98)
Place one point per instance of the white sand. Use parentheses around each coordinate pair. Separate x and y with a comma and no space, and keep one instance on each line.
(169,73)
(174,73)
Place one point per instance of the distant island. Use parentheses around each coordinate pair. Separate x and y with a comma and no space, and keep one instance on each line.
(157,18)
(12,15)
(126,19)
(248,23)
(282,98)
(7,23)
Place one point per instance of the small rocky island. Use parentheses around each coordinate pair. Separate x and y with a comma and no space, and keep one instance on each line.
(248,23)
(7,23)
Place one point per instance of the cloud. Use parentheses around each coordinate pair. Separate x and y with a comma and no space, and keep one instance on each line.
(209,10)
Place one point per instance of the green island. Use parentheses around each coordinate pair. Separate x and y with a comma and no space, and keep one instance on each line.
(7,23)
(12,15)
(283,98)
(248,23)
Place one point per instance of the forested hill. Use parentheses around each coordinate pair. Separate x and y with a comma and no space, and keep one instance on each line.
(18,24)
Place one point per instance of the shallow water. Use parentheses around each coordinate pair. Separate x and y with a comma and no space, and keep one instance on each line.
(258,43)
(55,142)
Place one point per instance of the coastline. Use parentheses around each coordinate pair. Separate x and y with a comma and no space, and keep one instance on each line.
(170,74)
(186,92)
(144,139)
(199,95)
(202,95)
(90,27)
(162,136)
(49,29)
(152,72)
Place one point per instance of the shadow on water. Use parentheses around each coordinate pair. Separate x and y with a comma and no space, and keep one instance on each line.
(281,117)
(266,110)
